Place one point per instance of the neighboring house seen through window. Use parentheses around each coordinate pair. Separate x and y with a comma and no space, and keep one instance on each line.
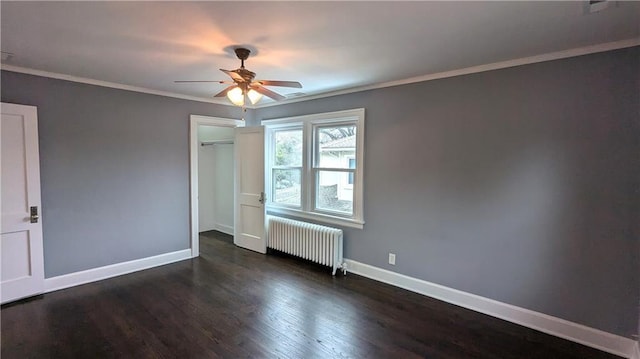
(314,166)
(352,164)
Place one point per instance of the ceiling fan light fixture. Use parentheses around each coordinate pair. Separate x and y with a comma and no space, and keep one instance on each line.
(244,86)
(236,96)
(254,96)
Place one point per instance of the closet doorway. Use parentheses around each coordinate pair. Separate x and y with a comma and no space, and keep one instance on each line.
(212,181)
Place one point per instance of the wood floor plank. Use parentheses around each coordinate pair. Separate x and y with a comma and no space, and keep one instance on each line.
(233,303)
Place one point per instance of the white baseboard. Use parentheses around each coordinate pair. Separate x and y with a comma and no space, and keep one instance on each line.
(224,229)
(565,329)
(113,270)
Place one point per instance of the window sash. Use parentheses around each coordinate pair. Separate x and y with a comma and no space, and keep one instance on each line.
(316,192)
(273,149)
(273,185)
(315,128)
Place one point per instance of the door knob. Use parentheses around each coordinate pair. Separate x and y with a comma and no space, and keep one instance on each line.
(263,198)
(33,218)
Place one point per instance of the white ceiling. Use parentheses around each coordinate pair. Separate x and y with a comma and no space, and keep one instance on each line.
(327,46)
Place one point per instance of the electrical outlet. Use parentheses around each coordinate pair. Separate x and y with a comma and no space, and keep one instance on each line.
(392,259)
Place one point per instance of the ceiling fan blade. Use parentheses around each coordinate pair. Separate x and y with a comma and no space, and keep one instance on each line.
(193,81)
(268,92)
(234,75)
(280,83)
(223,93)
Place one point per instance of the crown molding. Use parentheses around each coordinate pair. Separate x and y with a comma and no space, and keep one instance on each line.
(579,51)
(85,80)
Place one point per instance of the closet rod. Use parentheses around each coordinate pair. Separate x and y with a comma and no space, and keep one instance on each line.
(219,142)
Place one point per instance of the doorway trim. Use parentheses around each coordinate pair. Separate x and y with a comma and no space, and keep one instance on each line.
(194,122)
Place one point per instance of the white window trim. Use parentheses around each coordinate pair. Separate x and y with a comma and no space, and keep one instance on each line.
(307,122)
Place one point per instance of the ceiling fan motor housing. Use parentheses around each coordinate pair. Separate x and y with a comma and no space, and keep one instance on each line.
(242,53)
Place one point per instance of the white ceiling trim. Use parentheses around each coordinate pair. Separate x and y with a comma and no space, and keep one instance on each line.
(579,51)
(114,85)
(615,45)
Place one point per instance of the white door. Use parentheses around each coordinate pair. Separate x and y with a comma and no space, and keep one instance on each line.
(21,236)
(249,231)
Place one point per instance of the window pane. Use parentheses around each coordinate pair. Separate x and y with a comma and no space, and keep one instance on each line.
(286,186)
(336,145)
(288,151)
(333,192)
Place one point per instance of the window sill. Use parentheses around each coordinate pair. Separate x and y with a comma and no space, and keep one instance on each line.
(319,217)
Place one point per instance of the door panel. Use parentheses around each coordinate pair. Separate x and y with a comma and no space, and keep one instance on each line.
(14,189)
(16,244)
(249,189)
(21,240)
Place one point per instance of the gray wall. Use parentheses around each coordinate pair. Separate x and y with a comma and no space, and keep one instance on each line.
(519,185)
(114,170)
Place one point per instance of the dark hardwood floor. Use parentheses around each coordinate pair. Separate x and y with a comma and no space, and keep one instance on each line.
(233,303)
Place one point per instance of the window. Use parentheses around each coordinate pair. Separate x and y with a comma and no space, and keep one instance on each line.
(332,144)
(314,166)
(286,171)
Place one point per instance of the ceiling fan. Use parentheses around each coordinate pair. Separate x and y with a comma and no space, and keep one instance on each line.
(244,85)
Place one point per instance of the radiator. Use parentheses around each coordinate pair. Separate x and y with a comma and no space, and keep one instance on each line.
(314,242)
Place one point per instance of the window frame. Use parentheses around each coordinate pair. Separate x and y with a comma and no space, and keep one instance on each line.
(271,167)
(315,167)
(309,185)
